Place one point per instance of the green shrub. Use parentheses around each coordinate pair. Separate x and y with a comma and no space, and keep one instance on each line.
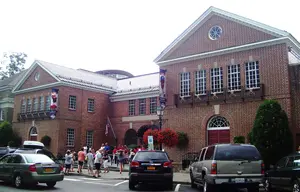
(183,140)
(239,139)
(46,140)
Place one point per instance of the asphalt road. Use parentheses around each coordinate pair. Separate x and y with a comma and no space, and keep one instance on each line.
(89,184)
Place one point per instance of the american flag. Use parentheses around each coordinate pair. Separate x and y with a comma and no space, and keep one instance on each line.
(106,129)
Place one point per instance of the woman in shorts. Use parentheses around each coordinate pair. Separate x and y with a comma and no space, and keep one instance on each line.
(97,161)
(68,161)
(121,159)
(105,161)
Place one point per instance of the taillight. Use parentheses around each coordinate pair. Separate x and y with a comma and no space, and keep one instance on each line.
(134,164)
(167,164)
(213,169)
(262,168)
(32,168)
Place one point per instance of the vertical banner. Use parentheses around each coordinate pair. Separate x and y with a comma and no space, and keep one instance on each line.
(162,88)
(150,143)
(53,106)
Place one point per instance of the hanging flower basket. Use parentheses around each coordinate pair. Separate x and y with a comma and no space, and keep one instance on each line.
(168,137)
(153,133)
(183,140)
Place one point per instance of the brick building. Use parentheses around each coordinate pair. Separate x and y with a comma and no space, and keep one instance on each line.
(218,72)
(84,106)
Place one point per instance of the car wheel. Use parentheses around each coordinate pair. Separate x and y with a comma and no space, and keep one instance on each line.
(18,181)
(131,185)
(296,186)
(267,185)
(207,187)
(51,184)
(193,185)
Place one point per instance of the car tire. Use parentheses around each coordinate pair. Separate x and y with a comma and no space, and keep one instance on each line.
(267,185)
(131,185)
(51,184)
(208,187)
(18,181)
(254,188)
(296,185)
(193,185)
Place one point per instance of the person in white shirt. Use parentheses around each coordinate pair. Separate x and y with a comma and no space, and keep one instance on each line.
(98,159)
(90,161)
(68,161)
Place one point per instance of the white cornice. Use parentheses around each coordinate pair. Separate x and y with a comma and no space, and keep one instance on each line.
(225,51)
(56,84)
(134,96)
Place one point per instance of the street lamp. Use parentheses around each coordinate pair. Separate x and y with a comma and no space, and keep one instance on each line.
(160,113)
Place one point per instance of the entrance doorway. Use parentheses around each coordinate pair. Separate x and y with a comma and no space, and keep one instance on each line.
(130,137)
(218,130)
(33,134)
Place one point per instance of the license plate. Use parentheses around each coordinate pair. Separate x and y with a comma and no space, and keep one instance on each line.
(47,170)
(150,168)
(239,180)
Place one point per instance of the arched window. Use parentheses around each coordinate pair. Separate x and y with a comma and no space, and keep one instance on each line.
(218,121)
(33,134)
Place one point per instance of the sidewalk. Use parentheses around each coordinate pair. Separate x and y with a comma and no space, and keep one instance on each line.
(181,178)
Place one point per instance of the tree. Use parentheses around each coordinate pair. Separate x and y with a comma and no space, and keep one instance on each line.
(8,137)
(12,63)
(270,133)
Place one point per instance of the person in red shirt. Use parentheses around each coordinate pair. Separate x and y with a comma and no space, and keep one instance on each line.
(81,158)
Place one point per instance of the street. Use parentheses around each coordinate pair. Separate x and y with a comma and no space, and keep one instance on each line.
(88,184)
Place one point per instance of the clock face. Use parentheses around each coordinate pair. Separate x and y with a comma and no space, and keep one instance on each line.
(215,32)
(37,76)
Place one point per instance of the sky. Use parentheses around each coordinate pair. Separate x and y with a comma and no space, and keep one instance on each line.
(126,35)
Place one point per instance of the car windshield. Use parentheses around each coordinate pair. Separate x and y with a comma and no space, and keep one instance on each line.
(237,153)
(147,156)
(37,158)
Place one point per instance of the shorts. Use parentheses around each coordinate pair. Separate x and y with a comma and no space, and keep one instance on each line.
(80,163)
(67,166)
(97,165)
(90,165)
(105,163)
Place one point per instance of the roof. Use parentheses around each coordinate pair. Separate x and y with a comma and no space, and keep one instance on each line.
(138,84)
(82,77)
(215,11)
(10,82)
(115,71)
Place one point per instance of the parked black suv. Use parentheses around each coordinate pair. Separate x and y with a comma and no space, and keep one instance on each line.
(149,167)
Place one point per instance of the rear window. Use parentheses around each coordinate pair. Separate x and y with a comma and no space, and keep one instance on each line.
(38,158)
(147,156)
(3,151)
(25,151)
(237,152)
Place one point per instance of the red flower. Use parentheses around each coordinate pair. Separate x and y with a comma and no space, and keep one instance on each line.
(168,137)
(150,132)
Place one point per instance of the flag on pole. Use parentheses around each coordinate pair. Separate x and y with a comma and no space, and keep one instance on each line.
(106,129)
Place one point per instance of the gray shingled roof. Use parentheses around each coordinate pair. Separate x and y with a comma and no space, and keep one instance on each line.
(10,82)
(80,77)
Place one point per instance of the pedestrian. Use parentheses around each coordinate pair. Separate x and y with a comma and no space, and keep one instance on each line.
(121,158)
(81,158)
(105,161)
(90,162)
(73,160)
(97,162)
(68,161)
(132,154)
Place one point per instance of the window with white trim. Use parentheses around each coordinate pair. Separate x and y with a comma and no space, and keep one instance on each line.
(91,105)
(131,108)
(142,106)
(185,84)
(216,80)
(252,75)
(42,103)
(29,105)
(89,138)
(23,106)
(1,115)
(72,102)
(35,104)
(48,102)
(153,105)
(234,77)
(70,137)
(200,82)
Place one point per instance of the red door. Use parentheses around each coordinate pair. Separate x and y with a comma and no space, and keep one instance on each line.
(218,136)
(33,138)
